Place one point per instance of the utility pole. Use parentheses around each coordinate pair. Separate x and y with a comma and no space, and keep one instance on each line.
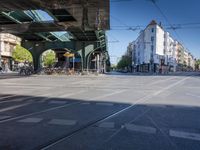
(73,62)
(0,49)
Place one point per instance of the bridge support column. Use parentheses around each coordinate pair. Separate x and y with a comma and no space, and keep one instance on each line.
(36,62)
(84,49)
(83,57)
(36,50)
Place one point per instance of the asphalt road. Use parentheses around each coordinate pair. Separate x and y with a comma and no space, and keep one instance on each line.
(109,112)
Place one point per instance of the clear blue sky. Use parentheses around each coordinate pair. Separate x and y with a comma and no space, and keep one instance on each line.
(127,13)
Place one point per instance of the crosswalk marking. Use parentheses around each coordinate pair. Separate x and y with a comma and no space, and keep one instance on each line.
(57,102)
(105,104)
(4,117)
(185,135)
(139,128)
(107,125)
(63,122)
(31,120)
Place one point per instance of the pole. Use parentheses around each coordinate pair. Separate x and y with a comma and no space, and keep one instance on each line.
(0,56)
(73,63)
(98,61)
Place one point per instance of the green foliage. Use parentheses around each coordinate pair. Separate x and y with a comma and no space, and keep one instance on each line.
(124,62)
(21,54)
(198,62)
(49,58)
(197,65)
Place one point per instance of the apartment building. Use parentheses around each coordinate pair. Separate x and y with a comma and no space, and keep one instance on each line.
(156,51)
(7,45)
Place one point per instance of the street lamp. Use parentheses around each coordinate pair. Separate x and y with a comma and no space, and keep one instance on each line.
(0,56)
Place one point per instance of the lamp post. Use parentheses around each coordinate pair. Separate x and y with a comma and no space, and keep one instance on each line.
(73,62)
(0,56)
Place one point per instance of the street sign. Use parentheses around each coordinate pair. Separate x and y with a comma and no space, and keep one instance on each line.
(67,54)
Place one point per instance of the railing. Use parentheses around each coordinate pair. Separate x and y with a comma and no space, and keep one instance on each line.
(63,71)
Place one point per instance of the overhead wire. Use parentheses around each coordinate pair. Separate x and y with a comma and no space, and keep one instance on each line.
(166,18)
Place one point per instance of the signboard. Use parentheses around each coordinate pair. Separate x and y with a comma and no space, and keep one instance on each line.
(67,54)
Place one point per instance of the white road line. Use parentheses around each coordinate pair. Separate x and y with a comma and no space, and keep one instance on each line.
(7,97)
(107,95)
(39,112)
(4,117)
(146,98)
(18,99)
(63,122)
(160,81)
(185,135)
(107,125)
(138,128)
(143,99)
(193,95)
(71,94)
(105,104)
(13,107)
(57,102)
(86,103)
(170,86)
(31,120)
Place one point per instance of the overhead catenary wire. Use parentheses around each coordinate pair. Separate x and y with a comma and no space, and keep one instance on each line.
(166,18)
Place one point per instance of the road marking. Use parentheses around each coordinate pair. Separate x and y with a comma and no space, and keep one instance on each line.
(107,125)
(57,102)
(142,99)
(160,81)
(145,98)
(137,128)
(39,112)
(107,95)
(157,106)
(31,120)
(105,104)
(63,122)
(193,95)
(86,103)
(18,99)
(185,135)
(4,117)
(71,94)
(170,86)
(13,107)
(7,97)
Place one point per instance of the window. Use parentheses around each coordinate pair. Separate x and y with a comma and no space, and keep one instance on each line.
(152,30)
(152,39)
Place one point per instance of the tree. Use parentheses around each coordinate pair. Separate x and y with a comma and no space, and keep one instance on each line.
(21,54)
(49,58)
(197,64)
(125,62)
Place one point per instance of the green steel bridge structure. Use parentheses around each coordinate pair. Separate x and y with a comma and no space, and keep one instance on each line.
(78,26)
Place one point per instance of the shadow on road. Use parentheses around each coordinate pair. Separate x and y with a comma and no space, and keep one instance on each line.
(154,74)
(29,122)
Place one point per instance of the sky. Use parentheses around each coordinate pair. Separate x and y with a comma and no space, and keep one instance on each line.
(124,14)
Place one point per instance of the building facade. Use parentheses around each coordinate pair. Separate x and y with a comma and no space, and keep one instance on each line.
(156,51)
(7,45)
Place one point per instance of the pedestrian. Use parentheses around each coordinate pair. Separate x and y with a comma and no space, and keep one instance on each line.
(1,69)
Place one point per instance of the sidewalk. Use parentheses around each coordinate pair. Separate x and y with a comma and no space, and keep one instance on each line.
(9,75)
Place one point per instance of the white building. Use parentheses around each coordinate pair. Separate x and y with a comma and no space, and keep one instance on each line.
(155,50)
(149,48)
(7,45)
